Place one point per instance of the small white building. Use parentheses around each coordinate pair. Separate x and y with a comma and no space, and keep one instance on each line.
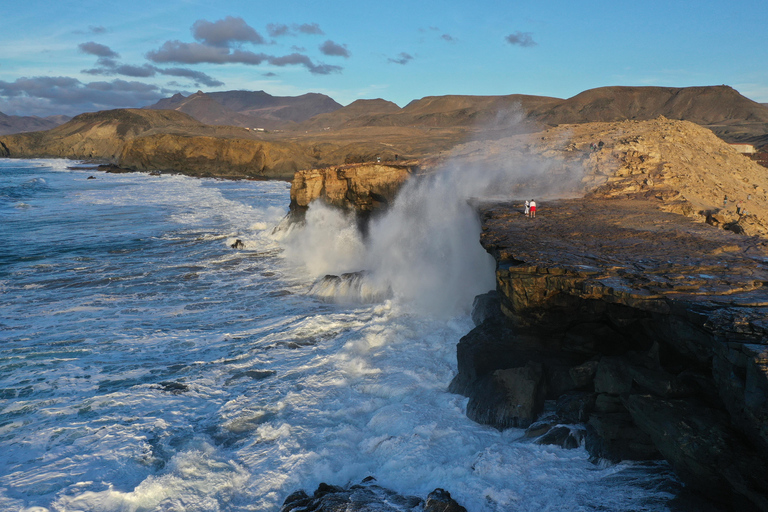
(747,149)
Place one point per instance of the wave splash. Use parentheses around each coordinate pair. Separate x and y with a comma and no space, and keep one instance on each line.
(424,252)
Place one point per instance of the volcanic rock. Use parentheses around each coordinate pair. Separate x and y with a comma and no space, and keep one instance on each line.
(367,497)
(667,312)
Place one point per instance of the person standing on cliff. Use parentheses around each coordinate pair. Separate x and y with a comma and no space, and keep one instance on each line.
(533,209)
(527,208)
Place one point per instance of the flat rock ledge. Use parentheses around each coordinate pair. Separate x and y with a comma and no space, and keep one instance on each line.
(645,328)
(368,497)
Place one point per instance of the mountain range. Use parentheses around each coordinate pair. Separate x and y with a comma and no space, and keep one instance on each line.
(19,124)
(730,115)
(268,136)
(249,109)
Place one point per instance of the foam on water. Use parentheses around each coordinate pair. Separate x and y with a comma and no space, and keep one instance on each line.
(146,365)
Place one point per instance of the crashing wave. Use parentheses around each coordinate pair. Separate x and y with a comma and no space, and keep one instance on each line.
(349,287)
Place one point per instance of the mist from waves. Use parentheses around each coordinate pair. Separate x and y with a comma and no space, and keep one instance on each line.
(425,250)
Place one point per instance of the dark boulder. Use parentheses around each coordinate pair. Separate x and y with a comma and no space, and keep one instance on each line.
(367,497)
(513,397)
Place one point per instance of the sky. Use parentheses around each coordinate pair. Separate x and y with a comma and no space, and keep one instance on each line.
(68,57)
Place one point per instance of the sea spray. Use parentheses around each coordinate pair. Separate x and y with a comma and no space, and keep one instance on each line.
(425,251)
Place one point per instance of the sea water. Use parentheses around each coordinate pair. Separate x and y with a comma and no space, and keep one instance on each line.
(147,365)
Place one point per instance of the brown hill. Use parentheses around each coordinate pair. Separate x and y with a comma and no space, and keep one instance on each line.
(204,108)
(434,112)
(720,108)
(20,124)
(701,105)
(357,113)
(98,135)
(165,140)
(682,167)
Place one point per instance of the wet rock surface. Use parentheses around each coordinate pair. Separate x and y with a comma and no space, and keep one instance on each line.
(367,497)
(649,330)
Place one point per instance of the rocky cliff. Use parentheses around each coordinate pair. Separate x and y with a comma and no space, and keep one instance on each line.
(645,327)
(362,188)
(213,156)
(163,140)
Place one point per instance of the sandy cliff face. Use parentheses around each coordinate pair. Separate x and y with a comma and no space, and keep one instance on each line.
(98,135)
(212,156)
(356,187)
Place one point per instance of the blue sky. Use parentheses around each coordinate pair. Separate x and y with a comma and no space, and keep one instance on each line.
(67,57)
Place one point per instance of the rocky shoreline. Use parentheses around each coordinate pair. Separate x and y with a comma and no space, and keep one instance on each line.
(648,329)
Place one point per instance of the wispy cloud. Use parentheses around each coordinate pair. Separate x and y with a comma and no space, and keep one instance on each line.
(402,58)
(310,28)
(524,39)
(108,66)
(97,49)
(221,43)
(332,49)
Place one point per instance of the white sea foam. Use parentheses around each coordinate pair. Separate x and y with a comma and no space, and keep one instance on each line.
(205,378)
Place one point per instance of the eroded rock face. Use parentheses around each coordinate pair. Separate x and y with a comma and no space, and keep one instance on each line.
(362,188)
(649,328)
(212,156)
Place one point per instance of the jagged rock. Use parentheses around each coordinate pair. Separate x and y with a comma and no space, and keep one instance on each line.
(362,188)
(440,500)
(670,308)
(367,497)
(238,244)
(615,437)
(612,376)
(575,407)
(486,306)
(512,397)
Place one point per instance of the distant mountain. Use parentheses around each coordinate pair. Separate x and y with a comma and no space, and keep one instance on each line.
(357,113)
(20,124)
(701,105)
(432,112)
(722,109)
(250,109)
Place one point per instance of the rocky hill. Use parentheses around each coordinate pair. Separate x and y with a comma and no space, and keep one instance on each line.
(720,108)
(20,124)
(681,166)
(248,108)
(164,140)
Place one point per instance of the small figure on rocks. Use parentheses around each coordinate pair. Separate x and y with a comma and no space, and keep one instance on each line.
(238,244)
(725,201)
(527,208)
(533,209)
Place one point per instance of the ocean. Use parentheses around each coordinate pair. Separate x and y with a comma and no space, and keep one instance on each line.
(146,365)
